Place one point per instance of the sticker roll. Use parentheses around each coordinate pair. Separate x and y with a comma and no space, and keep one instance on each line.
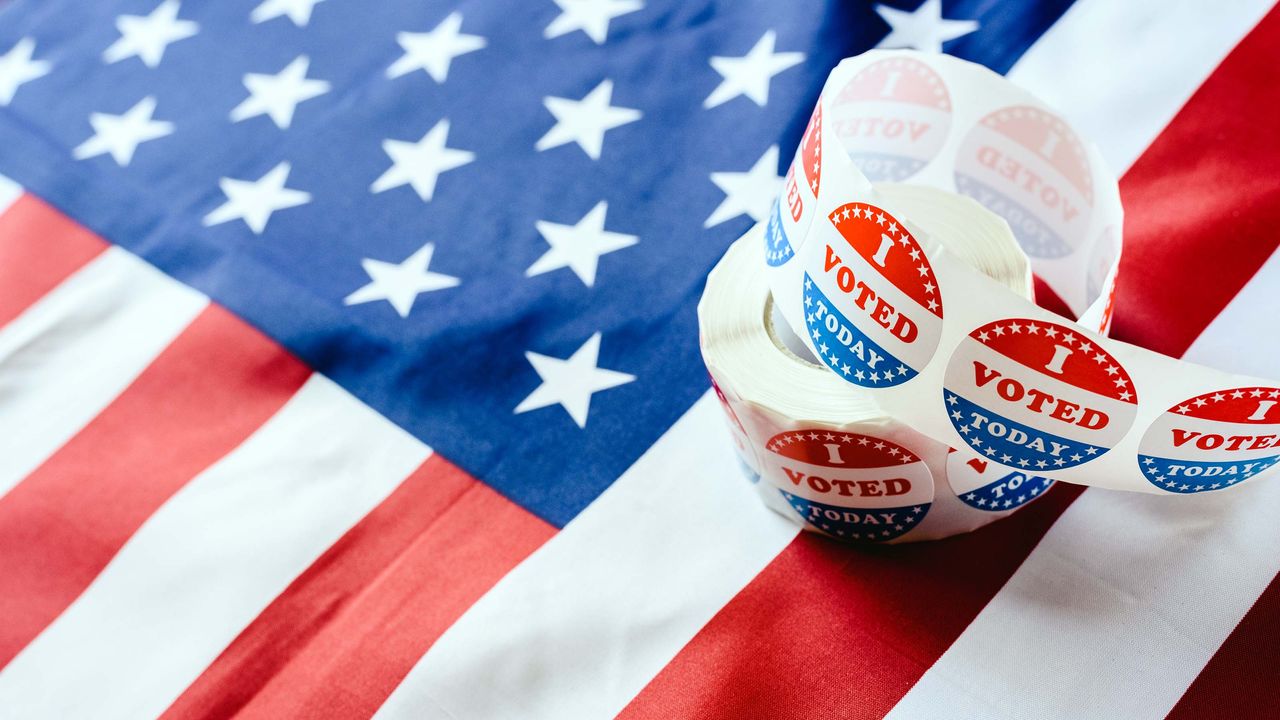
(963,359)
(821,451)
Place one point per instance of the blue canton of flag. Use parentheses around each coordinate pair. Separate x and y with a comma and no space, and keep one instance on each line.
(489,221)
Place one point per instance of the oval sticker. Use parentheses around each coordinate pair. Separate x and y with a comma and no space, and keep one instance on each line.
(874,312)
(1037,395)
(850,485)
(1213,441)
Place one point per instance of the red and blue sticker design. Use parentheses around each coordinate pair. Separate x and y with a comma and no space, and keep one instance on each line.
(983,485)
(1027,166)
(789,219)
(874,313)
(893,117)
(1036,395)
(849,485)
(1213,441)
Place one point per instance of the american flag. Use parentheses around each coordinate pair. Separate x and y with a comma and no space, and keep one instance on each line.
(349,367)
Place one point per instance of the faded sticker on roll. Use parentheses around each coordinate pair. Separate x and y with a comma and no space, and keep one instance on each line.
(984,485)
(793,211)
(1027,166)
(1213,441)
(850,485)
(874,312)
(892,118)
(1037,395)
(777,243)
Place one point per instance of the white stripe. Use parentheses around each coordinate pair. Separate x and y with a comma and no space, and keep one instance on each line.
(10,191)
(582,625)
(71,353)
(200,569)
(1120,70)
(1114,613)
(1242,338)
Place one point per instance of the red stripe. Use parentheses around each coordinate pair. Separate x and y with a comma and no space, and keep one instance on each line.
(1050,300)
(1240,681)
(340,638)
(830,631)
(1203,203)
(200,398)
(39,248)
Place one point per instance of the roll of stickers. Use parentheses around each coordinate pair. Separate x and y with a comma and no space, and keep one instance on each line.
(890,308)
(821,451)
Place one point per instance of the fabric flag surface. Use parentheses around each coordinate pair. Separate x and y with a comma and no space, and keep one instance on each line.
(349,367)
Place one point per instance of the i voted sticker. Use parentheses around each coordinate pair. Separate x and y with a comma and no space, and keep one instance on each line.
(892,118)
(1027,166)
(1037,395)
(1213,441)
(984,485)
(852,486)
(793,212)
(874,312)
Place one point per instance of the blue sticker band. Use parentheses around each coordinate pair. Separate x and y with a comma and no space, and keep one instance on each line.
(1013,490)
(1192,476)
(882,167)
(777,248)
(1012,443)
(869,524)
(1036,238)
(853,356)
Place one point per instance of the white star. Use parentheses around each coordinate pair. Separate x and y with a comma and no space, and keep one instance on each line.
(255,200)
(924,29)
(751,192)
(750,74)
(277,96)
(579,247)
(147,36)
(433,51)
(120,135)
(420,164)
(590,16)
(400,283)
(572,382)
(585,121)
(17,68)
(299,11)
